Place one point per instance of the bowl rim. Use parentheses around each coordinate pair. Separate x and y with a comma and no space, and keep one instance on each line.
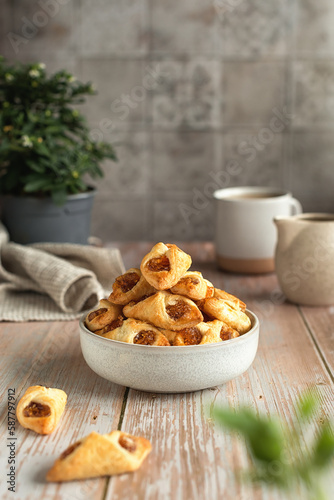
(176,348)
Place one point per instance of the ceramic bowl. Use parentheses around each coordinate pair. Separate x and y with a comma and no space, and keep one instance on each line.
(170,369)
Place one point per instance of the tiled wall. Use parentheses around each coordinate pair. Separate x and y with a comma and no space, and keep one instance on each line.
(196,94)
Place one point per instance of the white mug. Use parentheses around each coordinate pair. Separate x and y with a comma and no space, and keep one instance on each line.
(245,234)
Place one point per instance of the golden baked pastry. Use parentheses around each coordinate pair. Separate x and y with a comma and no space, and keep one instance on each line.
(230,299)
(200,334)
(193,286)
(40,408)
(103,315)
(163,303)
(110,327)
(220,309)
(165,310)
(100,455)
(130,286)
(224,331)
(134,331)
(169,334)
(164,265)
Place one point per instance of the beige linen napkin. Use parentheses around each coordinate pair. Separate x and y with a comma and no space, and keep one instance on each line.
(53,281)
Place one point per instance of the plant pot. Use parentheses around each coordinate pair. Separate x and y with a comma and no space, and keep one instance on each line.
(34,220)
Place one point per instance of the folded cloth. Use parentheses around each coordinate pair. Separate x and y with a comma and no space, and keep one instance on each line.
(53,281)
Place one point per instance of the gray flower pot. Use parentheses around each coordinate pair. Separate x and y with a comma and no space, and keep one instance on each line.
(35,220)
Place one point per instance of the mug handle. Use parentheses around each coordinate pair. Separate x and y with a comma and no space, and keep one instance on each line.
(296,207)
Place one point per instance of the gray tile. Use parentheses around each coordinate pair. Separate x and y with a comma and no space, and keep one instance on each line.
(313,93)
(70,65)
(188,95)
(121,94)
(252,161)
(184,27)
(7,36)
(180,220)
(182,161)
(46,30)
(252,90)
(119,220)
(113,28)
(254,28)
(130,176)
(314,34)
(311,171)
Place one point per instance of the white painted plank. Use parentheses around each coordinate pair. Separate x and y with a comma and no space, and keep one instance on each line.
(50,354)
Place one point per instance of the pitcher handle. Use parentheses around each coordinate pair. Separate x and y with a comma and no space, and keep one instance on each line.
(296,207)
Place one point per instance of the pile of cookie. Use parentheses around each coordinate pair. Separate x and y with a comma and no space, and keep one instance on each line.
(163,304)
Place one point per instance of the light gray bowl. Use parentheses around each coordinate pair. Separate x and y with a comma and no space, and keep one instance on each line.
(170,369)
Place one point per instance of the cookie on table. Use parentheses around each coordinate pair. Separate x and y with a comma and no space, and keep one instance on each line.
(41,408)
(100,455)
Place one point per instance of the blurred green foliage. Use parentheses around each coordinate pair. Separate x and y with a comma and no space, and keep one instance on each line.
(280,455)
(45,144)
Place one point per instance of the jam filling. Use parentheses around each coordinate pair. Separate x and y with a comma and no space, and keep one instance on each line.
(177,310)
(127,443)
(191,336)
(37,410)
(127,281)
(206,317)
(159,264)
(144,297)
(93,314)
(227,333)
(190,280)
(111,326)
(145,337)
(69,450)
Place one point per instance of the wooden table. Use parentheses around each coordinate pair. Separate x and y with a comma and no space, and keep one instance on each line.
(191,458)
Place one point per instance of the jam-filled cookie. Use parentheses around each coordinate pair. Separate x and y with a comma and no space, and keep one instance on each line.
(41,408)
(165,310)
(200,334)
(110,327)
(100,455)
(130,286)
(193,286)
(164,265)
(134,331)
(103,315)
(217,308)
(224,331)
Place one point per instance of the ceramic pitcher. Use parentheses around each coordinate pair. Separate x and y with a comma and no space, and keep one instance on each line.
(304,258)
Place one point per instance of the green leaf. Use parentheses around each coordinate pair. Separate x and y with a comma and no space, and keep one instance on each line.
(323,451)
(41,149)
(307,405)
(37,166)
(36,185)
(279,457)
(59,196)
(241,420)
(263,435)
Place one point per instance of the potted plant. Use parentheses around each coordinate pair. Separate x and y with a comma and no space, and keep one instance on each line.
(46,154)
